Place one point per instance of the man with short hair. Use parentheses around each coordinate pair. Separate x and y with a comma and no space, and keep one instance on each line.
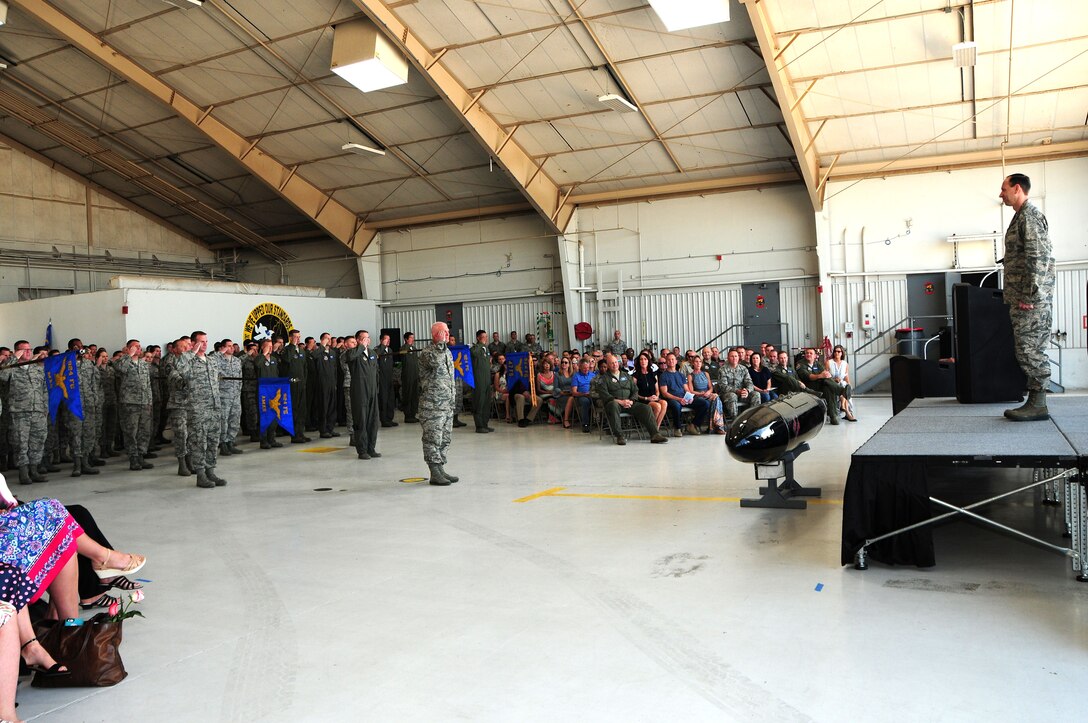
(409,378)
(580,389)
(496,346)
(532,346)
(267,367)
(481,377)
(1029,292)
(619,393)
(364,396)
(201,375)
(29,404)
(386,396)
(817,378)
(436,403)
(134,410)
(323,365)
(230,396)
(293,364)
(735,387)
(81,432)
(250,413)
(617,346)
(513,346)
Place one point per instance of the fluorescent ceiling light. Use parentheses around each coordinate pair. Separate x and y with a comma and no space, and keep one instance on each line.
(183,4)
(3,12)
(964,55)
(618,103)
(361,149)
(684,14)
(365,58)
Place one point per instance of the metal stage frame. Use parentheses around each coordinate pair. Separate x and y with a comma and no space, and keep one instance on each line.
(944,433)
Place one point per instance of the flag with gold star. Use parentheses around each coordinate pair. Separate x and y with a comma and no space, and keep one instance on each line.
(274,403)
(462,364)
(62,383)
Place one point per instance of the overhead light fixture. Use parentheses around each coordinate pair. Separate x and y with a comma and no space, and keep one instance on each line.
(684,14)
(964,55)
(362,150)
(618,103)
(364,57)
(184,4)
(3,12)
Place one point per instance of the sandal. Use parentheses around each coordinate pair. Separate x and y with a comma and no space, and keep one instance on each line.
(123,583)
(134,564)
(102,601)
(52,671)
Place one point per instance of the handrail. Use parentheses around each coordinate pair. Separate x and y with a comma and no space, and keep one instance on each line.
(876,338)
(785,336)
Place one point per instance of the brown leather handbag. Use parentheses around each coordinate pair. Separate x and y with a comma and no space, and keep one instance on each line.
(90,651)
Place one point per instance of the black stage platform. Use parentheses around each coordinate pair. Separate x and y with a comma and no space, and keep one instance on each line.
(888,510)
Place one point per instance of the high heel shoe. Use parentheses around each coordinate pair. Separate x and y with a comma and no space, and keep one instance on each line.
(134,564)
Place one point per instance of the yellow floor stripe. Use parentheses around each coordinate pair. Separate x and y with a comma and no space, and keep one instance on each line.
(558,492)
(321,450)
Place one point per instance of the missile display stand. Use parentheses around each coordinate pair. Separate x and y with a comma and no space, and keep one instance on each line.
(781,495)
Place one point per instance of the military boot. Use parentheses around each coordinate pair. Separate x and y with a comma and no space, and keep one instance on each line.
(447,475)
(437,478)
(234,449)
(24,475)
(143,464)
(224,449)
(1033,410)
(134,464)
(77,468)
(96,461)
(65,458)
(189,463)
(265,444)
(85,463)
(202,480)
(46,467)
(457,422)
(216,479)
(36,475)
(183,469)
(149,454)
(254,438)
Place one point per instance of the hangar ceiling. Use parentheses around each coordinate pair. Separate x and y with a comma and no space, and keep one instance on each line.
(223,118)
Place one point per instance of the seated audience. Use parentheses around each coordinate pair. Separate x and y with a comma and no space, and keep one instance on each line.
(672,387)
(761,378)
(702,391)
(562,383)
(580,384)
(498,383)
(547,389)
(645,377)
(815,377)
(735,384)
(618,393)
(840,372)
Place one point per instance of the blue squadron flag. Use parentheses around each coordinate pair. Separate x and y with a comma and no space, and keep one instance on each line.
(519,367)
(274,403)
(462,365)
(62,383)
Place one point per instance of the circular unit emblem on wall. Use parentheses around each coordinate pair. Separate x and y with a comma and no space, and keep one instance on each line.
(266,320)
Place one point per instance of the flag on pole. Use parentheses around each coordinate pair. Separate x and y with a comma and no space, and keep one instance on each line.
(274,403)
(49,335)
(62,383)
(462,365)
(520,368)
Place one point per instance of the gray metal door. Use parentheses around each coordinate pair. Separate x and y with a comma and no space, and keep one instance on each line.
(927,301)
(762,314)
(455,320)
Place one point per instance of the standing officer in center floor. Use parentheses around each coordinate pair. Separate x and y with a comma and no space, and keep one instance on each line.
(364,395)
(436,402)
(249,392)
(293,364)
(230,396)
(481,375)
(29,410)
(267,366)
(323,363)
(134,396)
(201,374)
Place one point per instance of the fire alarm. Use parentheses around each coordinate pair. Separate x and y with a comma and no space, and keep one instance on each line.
(124,309)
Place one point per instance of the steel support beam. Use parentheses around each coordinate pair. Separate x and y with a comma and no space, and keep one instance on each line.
(338,220)
(540,190)
(949,161)
(788,101)
(688,188)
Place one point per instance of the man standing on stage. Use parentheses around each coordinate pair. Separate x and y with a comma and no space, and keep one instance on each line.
(1029,292)
(436,393)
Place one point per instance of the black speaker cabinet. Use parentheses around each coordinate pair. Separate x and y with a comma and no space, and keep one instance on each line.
(986,368)
(916,378)
(395,339)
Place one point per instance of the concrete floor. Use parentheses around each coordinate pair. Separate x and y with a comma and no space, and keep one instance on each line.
(387,600)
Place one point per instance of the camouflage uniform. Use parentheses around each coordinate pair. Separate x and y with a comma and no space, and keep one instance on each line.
(5,425)
(134,396)
(230,396)
(81,431)
(249,396)
(617,346)
(345,369)
(155,371)
(436,393)
(730,381)
(201,375)
(177,404)
(1029,279)
(29,406)
(496,347)
(107,376)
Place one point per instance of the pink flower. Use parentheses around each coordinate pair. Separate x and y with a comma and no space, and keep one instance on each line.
(115,607)
(137,596)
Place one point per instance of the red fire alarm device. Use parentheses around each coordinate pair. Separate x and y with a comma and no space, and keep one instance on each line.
(124,309)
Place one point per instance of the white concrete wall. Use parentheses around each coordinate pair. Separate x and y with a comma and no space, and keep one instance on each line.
(43,208)
(864,228)
(93,317)
(326,264)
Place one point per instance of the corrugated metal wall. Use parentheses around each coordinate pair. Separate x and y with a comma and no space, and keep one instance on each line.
(1070,306)
(889,295)
(800,312)
(518,315)
(417,319)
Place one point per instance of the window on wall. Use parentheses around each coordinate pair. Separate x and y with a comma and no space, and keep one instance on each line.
(26,294)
